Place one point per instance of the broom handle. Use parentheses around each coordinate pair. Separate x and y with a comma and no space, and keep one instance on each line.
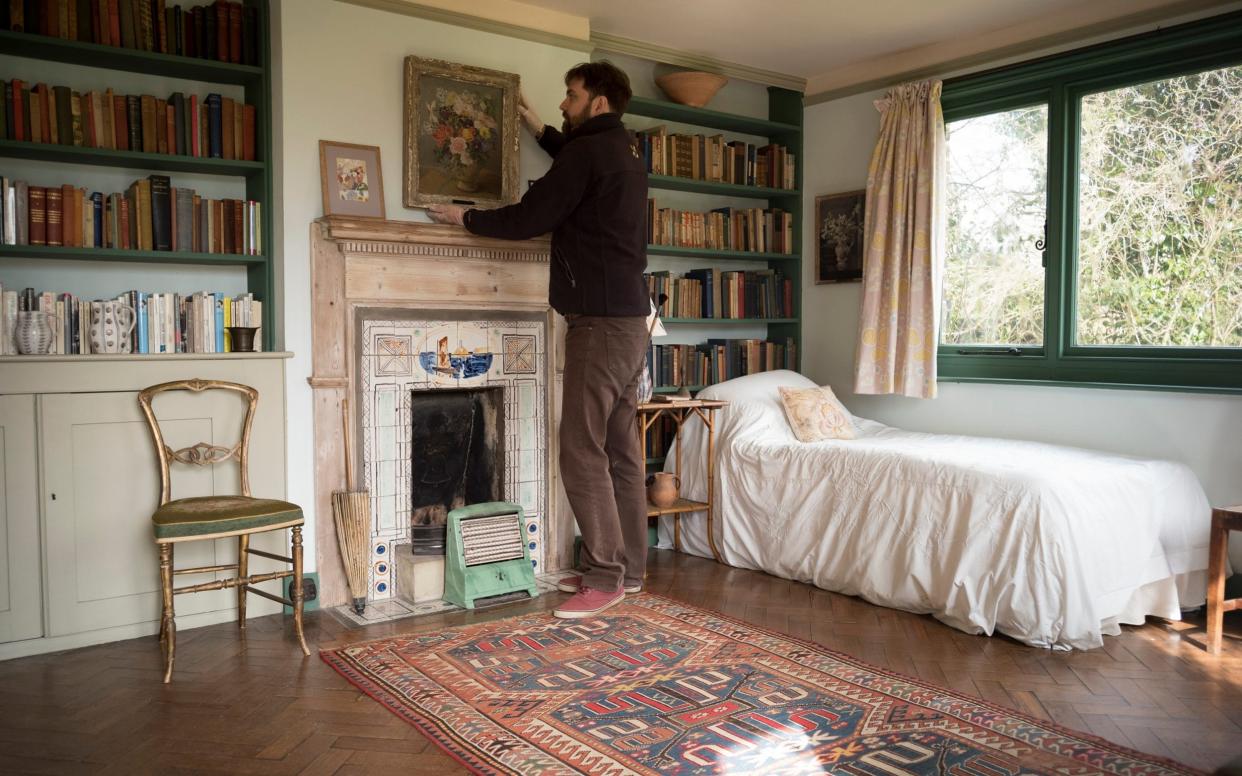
(349,464)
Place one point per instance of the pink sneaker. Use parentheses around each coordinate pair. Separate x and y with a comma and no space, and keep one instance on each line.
(571,585)
(587,603)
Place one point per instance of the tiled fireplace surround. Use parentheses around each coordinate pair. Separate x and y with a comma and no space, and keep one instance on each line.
(384,293)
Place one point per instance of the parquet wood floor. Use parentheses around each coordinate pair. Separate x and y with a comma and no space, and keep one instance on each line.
(252,705)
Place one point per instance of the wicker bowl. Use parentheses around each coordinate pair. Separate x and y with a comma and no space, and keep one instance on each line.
(691,87)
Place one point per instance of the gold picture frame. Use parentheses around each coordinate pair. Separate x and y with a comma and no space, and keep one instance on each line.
(461,134)
(352,180)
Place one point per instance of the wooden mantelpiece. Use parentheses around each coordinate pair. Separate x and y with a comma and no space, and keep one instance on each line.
(357,263)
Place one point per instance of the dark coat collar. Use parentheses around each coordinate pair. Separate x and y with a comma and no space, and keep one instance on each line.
(597,124)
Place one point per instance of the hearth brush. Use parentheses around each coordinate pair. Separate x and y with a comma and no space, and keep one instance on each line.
(351,509)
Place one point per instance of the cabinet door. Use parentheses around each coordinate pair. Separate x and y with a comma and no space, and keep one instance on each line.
(21,611)
(101,484)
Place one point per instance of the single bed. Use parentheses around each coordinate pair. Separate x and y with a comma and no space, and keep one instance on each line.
(1054,546)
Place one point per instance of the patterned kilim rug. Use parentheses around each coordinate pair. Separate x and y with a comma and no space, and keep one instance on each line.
(658,687)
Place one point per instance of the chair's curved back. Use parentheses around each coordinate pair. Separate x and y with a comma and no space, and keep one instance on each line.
(202,453)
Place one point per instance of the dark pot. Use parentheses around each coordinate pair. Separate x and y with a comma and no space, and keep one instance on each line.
(242,338)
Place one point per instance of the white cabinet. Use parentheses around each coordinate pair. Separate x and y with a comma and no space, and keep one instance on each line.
(79,468)
(20,593)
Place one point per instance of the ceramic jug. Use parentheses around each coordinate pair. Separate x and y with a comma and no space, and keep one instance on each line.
(34,332)
(663,488)
(111,324)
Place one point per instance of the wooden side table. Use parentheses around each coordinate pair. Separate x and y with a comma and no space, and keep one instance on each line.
(680,411)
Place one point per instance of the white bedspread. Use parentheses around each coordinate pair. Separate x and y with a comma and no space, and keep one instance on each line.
(1054,546)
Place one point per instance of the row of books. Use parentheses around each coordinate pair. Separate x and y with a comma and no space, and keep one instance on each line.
(728,294)
(223,31)
(164,322)
(724,228)
(213,126)
(659,438)
(712,158)
(717,360)
(151,215)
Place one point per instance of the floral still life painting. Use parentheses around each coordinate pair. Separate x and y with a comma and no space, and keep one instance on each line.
(352,179)
(460,134)
(839,226)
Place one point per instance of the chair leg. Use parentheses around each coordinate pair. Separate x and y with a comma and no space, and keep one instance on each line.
(243,570)
(168,626)
(295,592)
(1218,551)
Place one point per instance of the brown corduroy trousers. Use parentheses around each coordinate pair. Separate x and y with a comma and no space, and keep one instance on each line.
(601,460)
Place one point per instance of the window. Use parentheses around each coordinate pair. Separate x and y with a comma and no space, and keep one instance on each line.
(1094,206)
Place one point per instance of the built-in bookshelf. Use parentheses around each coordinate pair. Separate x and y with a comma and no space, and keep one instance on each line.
(217,44)
(783,128)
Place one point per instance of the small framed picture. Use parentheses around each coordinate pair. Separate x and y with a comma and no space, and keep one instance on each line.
(353,184)
(839,236)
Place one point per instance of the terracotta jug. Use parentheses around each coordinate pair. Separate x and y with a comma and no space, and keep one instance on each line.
(662,489)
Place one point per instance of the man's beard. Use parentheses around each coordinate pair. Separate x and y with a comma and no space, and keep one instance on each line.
(570,123)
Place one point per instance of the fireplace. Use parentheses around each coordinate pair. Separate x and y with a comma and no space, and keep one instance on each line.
(456,458)
(405,308)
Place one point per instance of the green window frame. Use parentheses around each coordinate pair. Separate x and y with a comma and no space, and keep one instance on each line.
(1059,82)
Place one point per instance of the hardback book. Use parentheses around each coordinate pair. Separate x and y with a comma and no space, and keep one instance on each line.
(146,27)
(226,128)
(88,121)
(107,116)
(150,138)
(161,27)
(120,123)
(170,128)
(235,33)
(97,219)
(127,23)
(38,215)
(184,220)
(192,114)
(179,123)
(8,209)
(69,223)
(114,22)
(21,196)
(209,43)
(36,111)
(160,115)
(239,123)
(248,133)
(214,129)
(75,114)
(55,212)
(17,113)
(161,212)
(222,30)
(133,111)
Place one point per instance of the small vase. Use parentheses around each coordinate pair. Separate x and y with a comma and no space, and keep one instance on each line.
(467,178)
(241,338)
(663,489)
(34,332)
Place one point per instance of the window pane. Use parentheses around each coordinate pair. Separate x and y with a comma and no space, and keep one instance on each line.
(997,184)
(1160,213)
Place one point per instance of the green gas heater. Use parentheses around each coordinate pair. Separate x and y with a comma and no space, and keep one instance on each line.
(486,554)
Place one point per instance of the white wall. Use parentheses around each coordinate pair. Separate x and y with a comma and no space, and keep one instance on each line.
(339,77)
(1200,430)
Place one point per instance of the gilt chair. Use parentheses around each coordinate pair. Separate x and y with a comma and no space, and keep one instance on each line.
(1223,521)
(216,517)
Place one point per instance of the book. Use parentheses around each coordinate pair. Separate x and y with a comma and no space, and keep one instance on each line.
(55,212)
(248,133)
(226,128)
(38,215)
(214,130)
(160,212)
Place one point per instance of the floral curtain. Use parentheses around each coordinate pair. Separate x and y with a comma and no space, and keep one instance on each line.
(903,248)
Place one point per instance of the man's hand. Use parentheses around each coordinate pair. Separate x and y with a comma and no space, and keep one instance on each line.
(528,115)
(446,214)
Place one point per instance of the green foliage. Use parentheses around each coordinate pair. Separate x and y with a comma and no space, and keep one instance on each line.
(1159,210)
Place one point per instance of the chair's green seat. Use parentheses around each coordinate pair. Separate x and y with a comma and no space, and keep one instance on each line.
(203,515)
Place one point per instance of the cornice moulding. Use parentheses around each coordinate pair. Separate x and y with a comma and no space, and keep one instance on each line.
(470,21)
(651,51)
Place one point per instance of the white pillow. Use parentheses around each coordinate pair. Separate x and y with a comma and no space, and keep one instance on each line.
(762,386)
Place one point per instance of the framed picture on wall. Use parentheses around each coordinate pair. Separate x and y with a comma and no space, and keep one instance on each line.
(839,236)
(352,182)
(461,134)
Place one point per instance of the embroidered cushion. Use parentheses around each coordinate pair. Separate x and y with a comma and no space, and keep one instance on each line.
(815,414)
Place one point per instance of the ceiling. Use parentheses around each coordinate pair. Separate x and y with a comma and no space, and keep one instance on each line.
(833,43)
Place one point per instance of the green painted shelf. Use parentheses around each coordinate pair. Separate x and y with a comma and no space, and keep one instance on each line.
(719,253)
(675,388)
(659,459)
(729,122)
(742,321)
(116,254)
(48,152)
(25,44)
(674,183)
